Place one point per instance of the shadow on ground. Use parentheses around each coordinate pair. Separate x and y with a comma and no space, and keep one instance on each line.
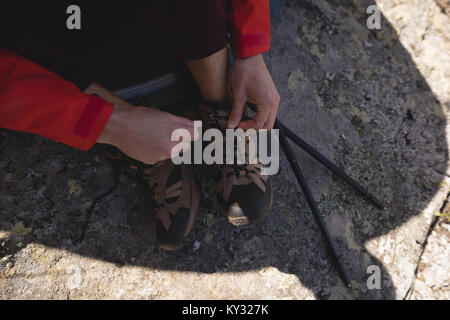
(355,94)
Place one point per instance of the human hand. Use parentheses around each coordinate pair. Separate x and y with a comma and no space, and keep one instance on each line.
(251,82)
(141,133)
(144,133)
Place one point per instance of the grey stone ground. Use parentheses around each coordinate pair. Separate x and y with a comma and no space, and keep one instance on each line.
(76,225)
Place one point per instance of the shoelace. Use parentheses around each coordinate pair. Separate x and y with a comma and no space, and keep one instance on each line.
(237,168)
(154,192)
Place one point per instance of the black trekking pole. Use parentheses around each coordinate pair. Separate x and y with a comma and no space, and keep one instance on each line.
(331,166)
(312,204)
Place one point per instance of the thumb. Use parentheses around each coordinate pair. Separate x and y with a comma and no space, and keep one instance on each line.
(237,110)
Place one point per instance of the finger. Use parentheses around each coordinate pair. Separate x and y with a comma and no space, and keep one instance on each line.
(247,124)
(197,130)
(251,124)
(261,117)
(271,122)
(236,113)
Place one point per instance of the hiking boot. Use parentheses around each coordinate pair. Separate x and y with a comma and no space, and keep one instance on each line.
(243,194)
(176,201)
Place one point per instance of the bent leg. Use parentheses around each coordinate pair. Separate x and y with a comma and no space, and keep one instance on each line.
(210,73)
(196,31)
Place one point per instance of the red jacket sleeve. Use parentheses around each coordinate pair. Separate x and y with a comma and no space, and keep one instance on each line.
(249,27)
(35,100)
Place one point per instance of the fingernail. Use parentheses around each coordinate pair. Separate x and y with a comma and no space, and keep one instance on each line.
(232,125)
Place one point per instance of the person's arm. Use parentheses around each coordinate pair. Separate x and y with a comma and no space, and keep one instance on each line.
(35,100)
(249,24)
(38,101)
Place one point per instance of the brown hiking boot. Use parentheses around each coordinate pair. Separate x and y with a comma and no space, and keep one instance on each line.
(243,194)
(176,198)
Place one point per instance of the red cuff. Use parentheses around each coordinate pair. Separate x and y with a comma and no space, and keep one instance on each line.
(249,27)
(91,123)
(35,100)
(252,44)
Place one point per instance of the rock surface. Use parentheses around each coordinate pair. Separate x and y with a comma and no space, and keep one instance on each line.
(77,225)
